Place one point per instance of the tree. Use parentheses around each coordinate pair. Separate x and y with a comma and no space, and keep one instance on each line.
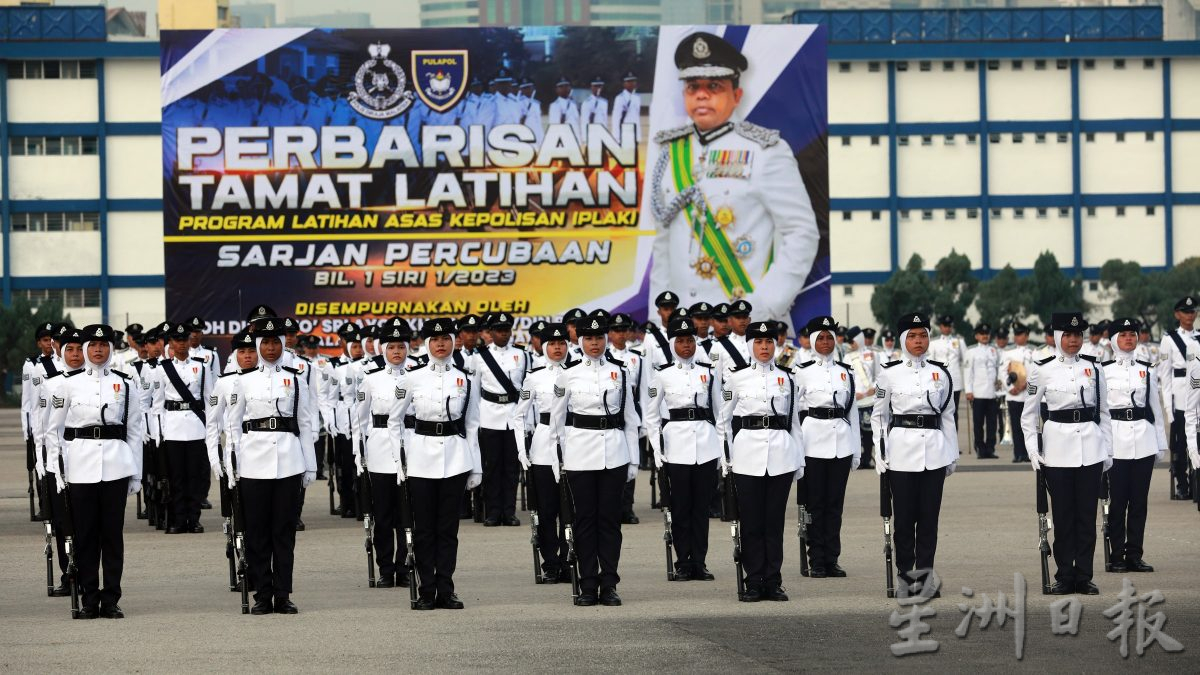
(1002,299)
(18,323)
(955,289)
(1150,297)
(908,290)
(1050,290)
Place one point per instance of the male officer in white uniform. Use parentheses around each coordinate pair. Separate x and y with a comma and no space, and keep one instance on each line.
(1020,353)
(734,218)
(1177,346)
(979,381)
(595,108)
(498,371)
(563,109)
(627,108)
(951,350)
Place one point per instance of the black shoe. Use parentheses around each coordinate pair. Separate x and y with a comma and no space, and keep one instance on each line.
(112,612)
(1015,460)
(197,529)
(262,607)
(586,600)
(775,594)
(564,575)
(402,578)
(701,573)
(1116,567)
(37,518)
(206,504)
(299,525)
(835,570)
(988,456)
(1138,565)
(89,613)
(1062,588)
(549,576)
(285,606)
(451,602)
(491,522)
(60,591)
(512,521)
(682,574)
(424,604)
(629,518)
(348,513)
(714,513)
(1086,588)
(1182,494)
(751,595)
(175,530)
(609,597)
(321,476)
(818,572)
(385,582)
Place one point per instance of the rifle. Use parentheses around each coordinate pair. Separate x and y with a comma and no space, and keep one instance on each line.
(1105,500)
(665,504)
(523,482)
(68,528)
(227,530)
(885,510)
(143,512)
(735,527)
(566,512)
(803,520)
(48,523)
(477,504)
(406,522)
(239,534)
(331,473)
(30,463)
(534,521)
(365,506)
(1043,508)
(163,489)
(1196,488)
(655,501)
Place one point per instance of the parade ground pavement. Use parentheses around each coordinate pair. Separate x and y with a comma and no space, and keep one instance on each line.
(181,616)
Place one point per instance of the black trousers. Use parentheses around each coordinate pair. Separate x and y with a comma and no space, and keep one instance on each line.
(552,544)
(390,549)
(1018,436)
(501,472)
(1177,442)
(270,507)
(692,489)
(916,505)
(98,510)
(826,480)
(188,464)
(1129,488)
(598,525)
(983,413)
(762,507)
(343,452)
(1074,492)
(957,396)
(435,504)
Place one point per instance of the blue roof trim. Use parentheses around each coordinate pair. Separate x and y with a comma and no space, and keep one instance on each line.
(1009,127)
(850,278)
(1011,50)
(148,49)
(86,205)
(89,281)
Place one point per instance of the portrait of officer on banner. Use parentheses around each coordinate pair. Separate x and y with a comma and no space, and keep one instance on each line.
(732,214)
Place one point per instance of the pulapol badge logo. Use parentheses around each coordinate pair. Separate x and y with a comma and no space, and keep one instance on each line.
(440,76)
(379,86)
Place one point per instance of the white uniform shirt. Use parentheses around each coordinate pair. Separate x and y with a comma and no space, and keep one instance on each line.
(1172,368)
(514,363)
(564,111)
(437,392)
(825,383)
(537,398)
(376,396)
(531,116)
(593,111)
(952,351)
(627,109)
(635,367)
(145,375)
(1095,350)
(217,422)
(721,356)
(40,420)
(982,369)
(272,391)
(595,387)
(1192,410)
(683,384)
(756,390)
(89,397)
(914,387)
(180,425)
(1131,384)
(1060,382)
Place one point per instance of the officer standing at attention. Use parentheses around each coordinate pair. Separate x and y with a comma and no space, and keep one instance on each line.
(825,399)
(619,327)
(93,443)
(344,390)
(595,108)
(596,428)
(950,349)
(1139,439)
(1076,434)
(531,109)
(563,109)
(273,441)
(981,372)
(245,356)
(1177,346)
(733,349)
(627,108)
(737,184)
(757,419)
(498,371)
(439,458)
(916,443)
(656,348)
(541,459)
(1020,353)
(180,386)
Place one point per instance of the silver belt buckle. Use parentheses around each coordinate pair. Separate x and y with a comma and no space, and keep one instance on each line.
(437,428)
(691,413)
(920,421)
(1075,417)
(603,422)
(95,433)
(766,421)
(272,423)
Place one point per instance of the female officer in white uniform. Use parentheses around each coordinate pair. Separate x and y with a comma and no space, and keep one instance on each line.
(596,426)
(1139,439)
(832,445)
(540,461)
(916,443)
(440,459)
(1076,448)
(757,419)
(680,424)
(373,451)
(96,427)
(272,437)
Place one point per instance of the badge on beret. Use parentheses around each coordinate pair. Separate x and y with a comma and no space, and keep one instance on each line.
(727,394)
(58,401)
(700,49)
(212,400)
(399,393)
(362,395)
(559,391)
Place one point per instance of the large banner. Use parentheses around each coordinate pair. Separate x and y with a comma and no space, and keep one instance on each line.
(360,174)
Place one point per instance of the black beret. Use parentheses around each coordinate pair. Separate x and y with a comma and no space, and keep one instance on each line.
(701,310)
(1186,304)
(946,320)
(97,332)
(74,336)
(267,326)
(820,323)
(667,299)
(195,323)
(721,311)
(983,328)
(1019,328)
(537,327)
(260,311)
(869,332)
(740,308)
(554,331)
(44,330)
(760,329)
(242,340)
(620,322)
(501,320)
(593,324)
(179,331)
(469,322)
(1126,323)
(347,330)
(681,326)
(443,326)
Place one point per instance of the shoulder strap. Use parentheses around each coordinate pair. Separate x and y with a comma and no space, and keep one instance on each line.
(489,360)
(949,389)
(51,369)
(1179,343)
(184,392)
(662,342)
(738,361)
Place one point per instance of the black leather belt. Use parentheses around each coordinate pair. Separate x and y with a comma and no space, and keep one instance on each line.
(596,422)
(282,424)
(410,421)
(449,428)
(1179,372)
(762,422)
(544,418)
(176,406)
(690,414)
(917,421)
(834,413)
(98,432)
(379,421)
(1072,416)
(1128,414)
(495,398)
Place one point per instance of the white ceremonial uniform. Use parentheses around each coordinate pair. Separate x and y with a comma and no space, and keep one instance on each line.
(179,423)
(914,387)
(1131,386)
(1172,368)
(950,350)
(758,390)
(1147,351)
(627,109)
(635,367)
(531,116)
(751,184)
(438,392)
(981,370)
(378,393)
(593,111)
(722,357)
(537,399)
(211,359)
(828,384)
(40,421)
(1095,350)
(270,391)
(1191,411)
(514,363)
(595,387)
(90,398)
(683,385)
(564,111)
(1068,383)
(217,422)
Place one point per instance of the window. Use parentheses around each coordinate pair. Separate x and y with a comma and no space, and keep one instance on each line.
(1120,211)
(872,66)
(969,66)
(1039,64)
(1089,64)
(1064,212)
(51,70)
(844,67)
(902,66)
(74,298)
(925,66)
(993,138)
(904,214)
(1061,64)
(1149,136)
(90,145)
(845,141)
(1150,210)
(1093,286)
(1062,137)
(948,139)
(1091,212)
(997,213)
(847,290)
(970,139)
(993,65)
(1018,138)
(874,140)
(52,145)
(926,214)
(1148,64)
(847,215)
(1039,138)
(972,214)
(876,215)
(902,141)
(1120,136)
(1018,213)
(55,222)
(951,214)
(1018,64)
(1043,213)
(948,66)
(927,140)
(1089,137)
(1118,64)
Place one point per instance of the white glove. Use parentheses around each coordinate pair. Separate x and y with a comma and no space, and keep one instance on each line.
(1035,460)
(217,473)
(135,485)
(308,478)
(880,466)
(1195,456)
(951,468)
(855,460)
(1108,463)
(39,469)
(474,480)
(400,475)
(554,468)
(1162,454)
(724,465)
(799,474)
(58,481)
(632,473)
(523,458)
(232,480)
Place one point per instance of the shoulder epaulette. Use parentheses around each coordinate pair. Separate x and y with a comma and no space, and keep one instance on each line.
(32,359)
(636,351)
(373,371)
(517,345)
(1105,363)
(615,361)
(740,368)
(1148,364)
(232,372)
(843,364)
(807,363)
(534,370)
(304,358)
(671,134)
(197,359)
(119,374)
(704,364)
(786,369)
(761,135)
(1044,361)
(243,371)
(572,364)
(891,364)
(54,375)
(73,373)
(662,367)
(460,369)
(418,367)
(937,363)
(1086,357)
(291,370)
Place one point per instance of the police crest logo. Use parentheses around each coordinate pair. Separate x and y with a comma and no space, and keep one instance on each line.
(440,76)
(383,95)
